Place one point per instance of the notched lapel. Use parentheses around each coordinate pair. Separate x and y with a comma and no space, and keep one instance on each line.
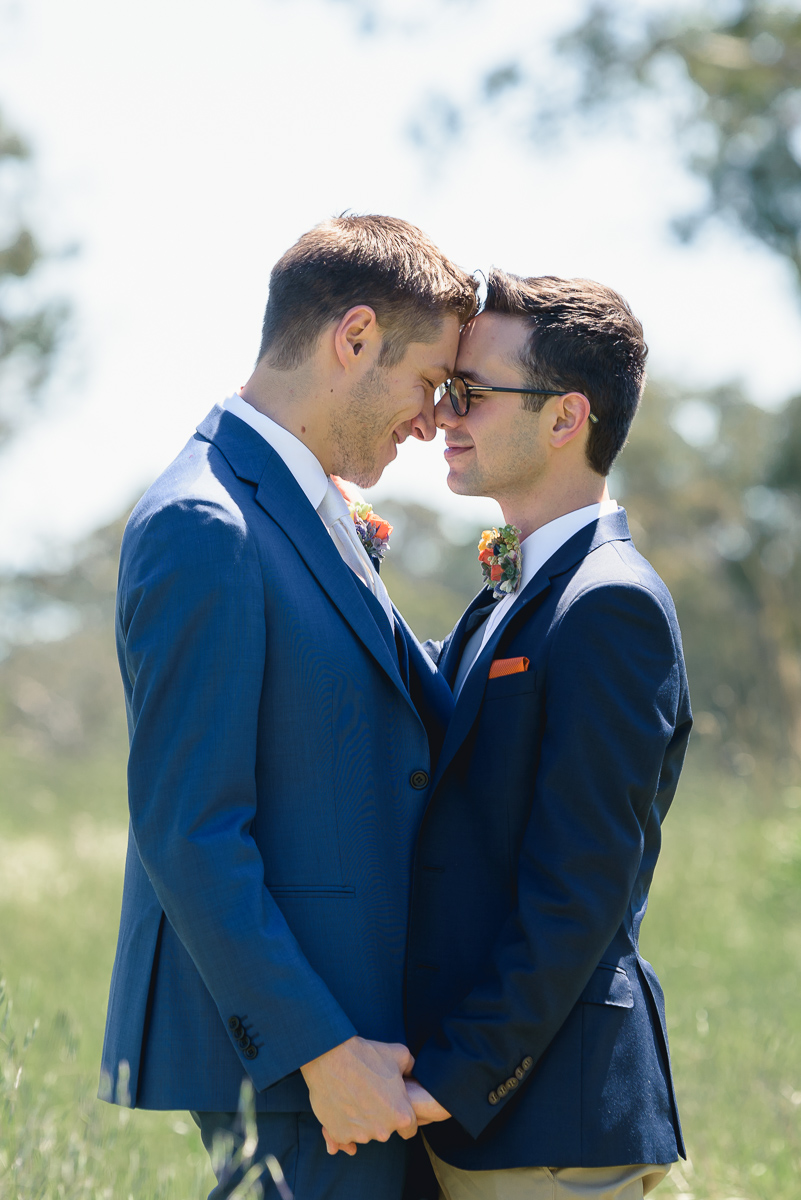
(305,530)
(278,494)
(478,608)
(472,693)
(613,527)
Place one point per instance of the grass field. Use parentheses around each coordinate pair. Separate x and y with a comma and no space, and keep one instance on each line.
(724,933)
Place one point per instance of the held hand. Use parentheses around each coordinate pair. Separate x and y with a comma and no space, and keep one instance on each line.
(334,1147)
(426,1108)
(358,1094)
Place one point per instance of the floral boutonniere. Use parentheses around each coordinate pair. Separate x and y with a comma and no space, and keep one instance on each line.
(501,560)
(373,531)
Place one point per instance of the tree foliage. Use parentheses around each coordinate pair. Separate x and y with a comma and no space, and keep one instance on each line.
(737,121)
(30,328)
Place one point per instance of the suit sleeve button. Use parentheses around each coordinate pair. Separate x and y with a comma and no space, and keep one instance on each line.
(519,1073)
(251,1051)
(233,1022)
(419,780)
(527,1063)
(501,1090)
(511,1083)
(244,1041)
(493,1097)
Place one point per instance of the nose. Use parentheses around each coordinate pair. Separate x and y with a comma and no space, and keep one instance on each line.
(423,426)
(444,416)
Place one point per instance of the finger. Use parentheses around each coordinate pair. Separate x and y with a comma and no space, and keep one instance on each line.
(407,1125)
(426,1108)
(402,1056)
(333,1147)
(330,1145)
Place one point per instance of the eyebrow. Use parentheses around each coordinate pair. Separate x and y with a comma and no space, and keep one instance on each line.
(475,377)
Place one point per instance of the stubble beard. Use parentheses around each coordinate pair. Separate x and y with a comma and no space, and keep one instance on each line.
(356,435)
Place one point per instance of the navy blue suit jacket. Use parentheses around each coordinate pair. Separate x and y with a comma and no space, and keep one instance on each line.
(534,1019)
(277,774)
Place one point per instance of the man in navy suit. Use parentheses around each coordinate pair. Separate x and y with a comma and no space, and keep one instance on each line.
(534,1020)
(283,727)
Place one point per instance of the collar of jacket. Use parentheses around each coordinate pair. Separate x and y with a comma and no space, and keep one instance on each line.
(614,527)
(253,460)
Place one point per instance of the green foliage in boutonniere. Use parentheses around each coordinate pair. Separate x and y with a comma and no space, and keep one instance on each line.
(501,560)
(373,530)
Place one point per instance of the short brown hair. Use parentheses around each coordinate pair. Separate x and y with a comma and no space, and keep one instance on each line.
(379,261)
(584,338)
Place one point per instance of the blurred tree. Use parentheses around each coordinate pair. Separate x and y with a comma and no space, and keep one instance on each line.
(30,328)
(715,502)
(742,129)
(728,74)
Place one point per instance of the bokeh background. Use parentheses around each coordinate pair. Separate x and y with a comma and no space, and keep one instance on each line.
(155,159)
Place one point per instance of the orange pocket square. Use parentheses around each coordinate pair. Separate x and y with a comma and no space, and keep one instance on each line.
(507,666)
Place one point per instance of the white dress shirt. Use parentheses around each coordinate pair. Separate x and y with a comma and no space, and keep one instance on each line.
(298,458)
(322,494)
(537,548)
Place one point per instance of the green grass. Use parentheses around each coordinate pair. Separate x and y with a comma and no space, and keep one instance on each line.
(723,931)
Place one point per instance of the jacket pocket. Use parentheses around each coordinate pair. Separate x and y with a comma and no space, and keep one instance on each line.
(608,985)
(502,686)
(325,890)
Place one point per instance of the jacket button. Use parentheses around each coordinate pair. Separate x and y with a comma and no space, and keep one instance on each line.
(511,1083)
(233,1022)
(520,1072)
(527,1063)
(244,1042)
(251,1051)
(493,1097)
(501,1090)
(419,780)
(239,1031)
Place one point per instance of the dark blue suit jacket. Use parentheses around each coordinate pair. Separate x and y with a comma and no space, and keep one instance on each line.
(534,1019)
(277,775)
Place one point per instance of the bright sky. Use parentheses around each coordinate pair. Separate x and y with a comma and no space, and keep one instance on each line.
(186,144)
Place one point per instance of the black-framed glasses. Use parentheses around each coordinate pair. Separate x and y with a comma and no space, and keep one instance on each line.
(460,393)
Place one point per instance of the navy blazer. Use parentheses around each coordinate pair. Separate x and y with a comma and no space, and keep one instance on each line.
(533,1017)
(277,775)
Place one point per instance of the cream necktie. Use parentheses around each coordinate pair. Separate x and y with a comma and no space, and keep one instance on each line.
(333,510)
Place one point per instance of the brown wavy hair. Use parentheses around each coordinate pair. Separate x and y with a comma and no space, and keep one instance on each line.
(383,262)
(584,338)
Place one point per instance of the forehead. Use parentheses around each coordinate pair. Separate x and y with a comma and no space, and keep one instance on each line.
(492,341)
(440,354)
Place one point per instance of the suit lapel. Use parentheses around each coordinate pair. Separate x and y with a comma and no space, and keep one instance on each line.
(430,693)
(613,527)
(472,693)
(278,494)
(477,610)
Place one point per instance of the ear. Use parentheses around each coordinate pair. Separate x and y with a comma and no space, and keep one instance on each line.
(571,415)
(357,337)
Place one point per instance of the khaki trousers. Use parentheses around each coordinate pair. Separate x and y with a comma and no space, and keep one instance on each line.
(547,1183)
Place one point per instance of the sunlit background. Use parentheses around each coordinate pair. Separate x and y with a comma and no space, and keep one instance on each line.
(155,160)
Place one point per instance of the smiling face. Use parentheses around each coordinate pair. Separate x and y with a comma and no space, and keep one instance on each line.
(389,404)
(498,449)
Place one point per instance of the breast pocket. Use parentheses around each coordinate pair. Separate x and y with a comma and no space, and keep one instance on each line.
(508,686)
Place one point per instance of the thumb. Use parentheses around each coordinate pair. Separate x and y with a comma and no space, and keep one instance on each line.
(402,1056)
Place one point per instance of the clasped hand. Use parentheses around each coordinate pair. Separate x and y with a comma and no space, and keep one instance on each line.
(361,1091)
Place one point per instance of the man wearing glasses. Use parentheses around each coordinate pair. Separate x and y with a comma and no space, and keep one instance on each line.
(534,1021)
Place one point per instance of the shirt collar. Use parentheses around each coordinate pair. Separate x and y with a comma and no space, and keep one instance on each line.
(298,458)
(543,543)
